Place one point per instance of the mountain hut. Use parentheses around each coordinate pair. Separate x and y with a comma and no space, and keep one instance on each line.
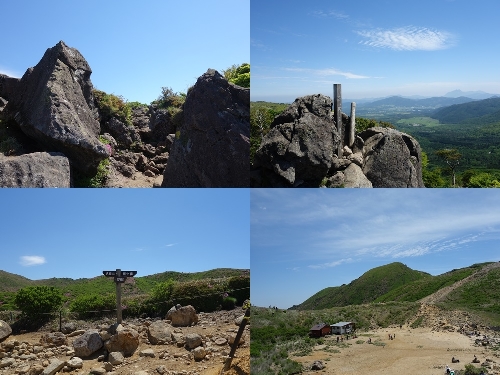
(320,330)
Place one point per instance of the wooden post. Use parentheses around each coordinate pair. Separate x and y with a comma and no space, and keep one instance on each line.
(60,320)
(118,298)
(352,125)
(337,112)
(227,365)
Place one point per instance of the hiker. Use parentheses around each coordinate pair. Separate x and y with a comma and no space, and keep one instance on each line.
(448,371)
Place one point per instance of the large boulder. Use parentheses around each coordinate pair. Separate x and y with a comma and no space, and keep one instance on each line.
(182,316)
(299,148)
(88,343)
(5,330)
(160,332)
(125,340)
(54,339)
(391,158)
(39,169)
(8,86)
(212,148)
(53,104)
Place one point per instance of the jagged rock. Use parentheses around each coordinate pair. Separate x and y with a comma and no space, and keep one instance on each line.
(317,365)
(182,316)
(160,124)
(199,353)
(75,362)
(54,105)
(140,119)
(5,329)
(147,353)
(88,343)
(116,358)
(391,158)
(124,134)
(36,369)
(6,362)
(125,340)
(68,327)
(160,332)
(299,148)
(355,178)
(54,338)
(54,366)
(193,340)
(39,169)
(212,148)
(8,86)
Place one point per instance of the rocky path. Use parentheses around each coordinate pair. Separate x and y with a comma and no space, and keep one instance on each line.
(33,354)
(443,292)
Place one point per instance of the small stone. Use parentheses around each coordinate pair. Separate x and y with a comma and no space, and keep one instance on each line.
(116,358)
(147,353)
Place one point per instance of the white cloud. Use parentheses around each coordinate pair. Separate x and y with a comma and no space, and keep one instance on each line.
(328,72)
(408,38)
(170,245)
(331,264)
(32,260)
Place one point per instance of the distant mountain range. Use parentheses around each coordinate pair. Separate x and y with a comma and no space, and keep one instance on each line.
(477,285)
(469,94)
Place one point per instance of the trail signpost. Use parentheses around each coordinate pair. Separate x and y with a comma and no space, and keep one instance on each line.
(119,277)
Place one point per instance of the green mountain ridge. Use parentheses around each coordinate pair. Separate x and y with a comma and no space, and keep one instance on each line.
(472,288)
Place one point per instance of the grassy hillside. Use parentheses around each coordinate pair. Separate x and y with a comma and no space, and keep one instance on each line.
(101,285)
(371,285)
(461,113)
(421,288)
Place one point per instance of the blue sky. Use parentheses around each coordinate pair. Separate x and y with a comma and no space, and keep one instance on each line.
(134,48)
(79,233)
(373,48)
(305,240)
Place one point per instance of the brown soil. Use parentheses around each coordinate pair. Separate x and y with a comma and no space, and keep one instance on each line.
(413,351)
(138,180)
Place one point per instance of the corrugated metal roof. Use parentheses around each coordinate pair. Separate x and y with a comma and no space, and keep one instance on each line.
(341,324)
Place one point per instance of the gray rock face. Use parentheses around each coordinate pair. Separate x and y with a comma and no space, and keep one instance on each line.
(54,105)
(299,148)
(160,332)
(212,148)
(182,316)
(124,134)
(39,169)
(391,158)
(8,86)
(5,330)
(88,343)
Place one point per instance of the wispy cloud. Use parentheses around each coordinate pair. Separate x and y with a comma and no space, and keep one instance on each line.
(330,14)
(408,38)
(328,72)
(32,260)
(171,244)
(330,264)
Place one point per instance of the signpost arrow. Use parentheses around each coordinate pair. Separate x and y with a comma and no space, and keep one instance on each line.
(109,273)
(129,273)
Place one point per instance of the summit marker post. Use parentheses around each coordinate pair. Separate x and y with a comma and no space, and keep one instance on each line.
(337,113)
(119,277)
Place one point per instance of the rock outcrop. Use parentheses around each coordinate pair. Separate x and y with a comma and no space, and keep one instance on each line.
(38,169)
(54,105)
(212,148)
(301,150)
(391,158)
(88,343)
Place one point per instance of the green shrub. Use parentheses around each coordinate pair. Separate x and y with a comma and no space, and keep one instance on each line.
(90,305)
(239,288)
(203,295)
(239,75)
(10,146)
(169,98)
(36,300)
(471,370)
(228,303)
(110,105)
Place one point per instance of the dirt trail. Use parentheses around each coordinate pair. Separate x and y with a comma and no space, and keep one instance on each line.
(442,293)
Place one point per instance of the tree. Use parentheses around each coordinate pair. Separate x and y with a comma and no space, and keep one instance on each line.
(452,158)
(36,300)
